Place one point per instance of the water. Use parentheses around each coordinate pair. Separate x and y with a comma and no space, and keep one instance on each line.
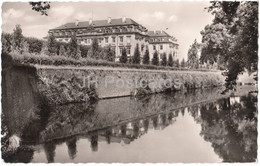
(189,127)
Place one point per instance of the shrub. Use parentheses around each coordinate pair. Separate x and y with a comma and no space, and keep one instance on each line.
(123,57)
(155,60)
(170,60)
(164,59)
(136,57)
(146,57)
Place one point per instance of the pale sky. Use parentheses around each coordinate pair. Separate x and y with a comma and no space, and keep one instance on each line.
(184,20)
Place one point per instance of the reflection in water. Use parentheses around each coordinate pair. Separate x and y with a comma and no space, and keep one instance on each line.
(127,126)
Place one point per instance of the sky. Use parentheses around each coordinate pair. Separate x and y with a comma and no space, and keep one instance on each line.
(184,20)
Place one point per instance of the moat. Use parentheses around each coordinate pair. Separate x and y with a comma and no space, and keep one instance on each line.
(192,126)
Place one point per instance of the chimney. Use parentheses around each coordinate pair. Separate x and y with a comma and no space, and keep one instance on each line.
(90,21)
(77,23)
(109,20)
(123,19)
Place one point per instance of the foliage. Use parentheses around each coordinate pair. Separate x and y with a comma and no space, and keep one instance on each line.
(183,64)
(193,57)
(17,38)
(177,63)
(231,40)
(164,59)
(62,51)
(123,57)
(146,57)
(35,45)
(51,45)
(41,7)
(6,40)
(155,60)
(73,47)
(110,55)
(136,58)
(170,60)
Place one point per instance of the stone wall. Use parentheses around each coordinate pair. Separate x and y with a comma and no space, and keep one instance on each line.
(65,84)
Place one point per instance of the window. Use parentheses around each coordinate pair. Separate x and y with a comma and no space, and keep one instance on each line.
(161,47)
(161,56)
(128,50)
(142,48)
(121,38)
(154,47)
(128,39)
(121,50)
(106,39)
(114,39)
(113,49)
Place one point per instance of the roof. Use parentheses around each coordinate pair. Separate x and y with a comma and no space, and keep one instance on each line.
(158,33)
(99,23)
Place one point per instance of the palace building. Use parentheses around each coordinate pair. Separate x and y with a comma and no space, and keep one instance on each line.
(162,42)
(116,33)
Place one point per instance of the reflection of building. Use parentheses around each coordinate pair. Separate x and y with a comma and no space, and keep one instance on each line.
(162,42)
(117,33)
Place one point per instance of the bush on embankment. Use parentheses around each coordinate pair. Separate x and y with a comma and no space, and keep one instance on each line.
(59,60)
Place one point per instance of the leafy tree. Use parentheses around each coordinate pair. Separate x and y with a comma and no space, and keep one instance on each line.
(95,47)
(193,60)
(164,59)
(7,42)
(155,60)
(35,45)
(84,51)
(41,7)
(170,60)
(62,51)
(78,54)
(231,40)
(51,45)
(146,57)
(136,57)
(123,57)
(177,63)
(17,38)
(73,46)
(110,55)
(183,63)
(25,46)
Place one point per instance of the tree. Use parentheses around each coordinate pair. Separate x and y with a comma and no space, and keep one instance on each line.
(41,7)
(183,63)
(146,57)
(110,55)
(78,54)
(170,60)
(164,59)
(177,63)
(193,59)
(95,47)
(35,45)
(62,51)
(136,58)
(73,47)
(7,40)
(155,60)
(232,38)
(17,38)
(123,57)
(51,45)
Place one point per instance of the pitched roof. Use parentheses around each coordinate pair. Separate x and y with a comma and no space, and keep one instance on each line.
(98,23)
(158,33)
